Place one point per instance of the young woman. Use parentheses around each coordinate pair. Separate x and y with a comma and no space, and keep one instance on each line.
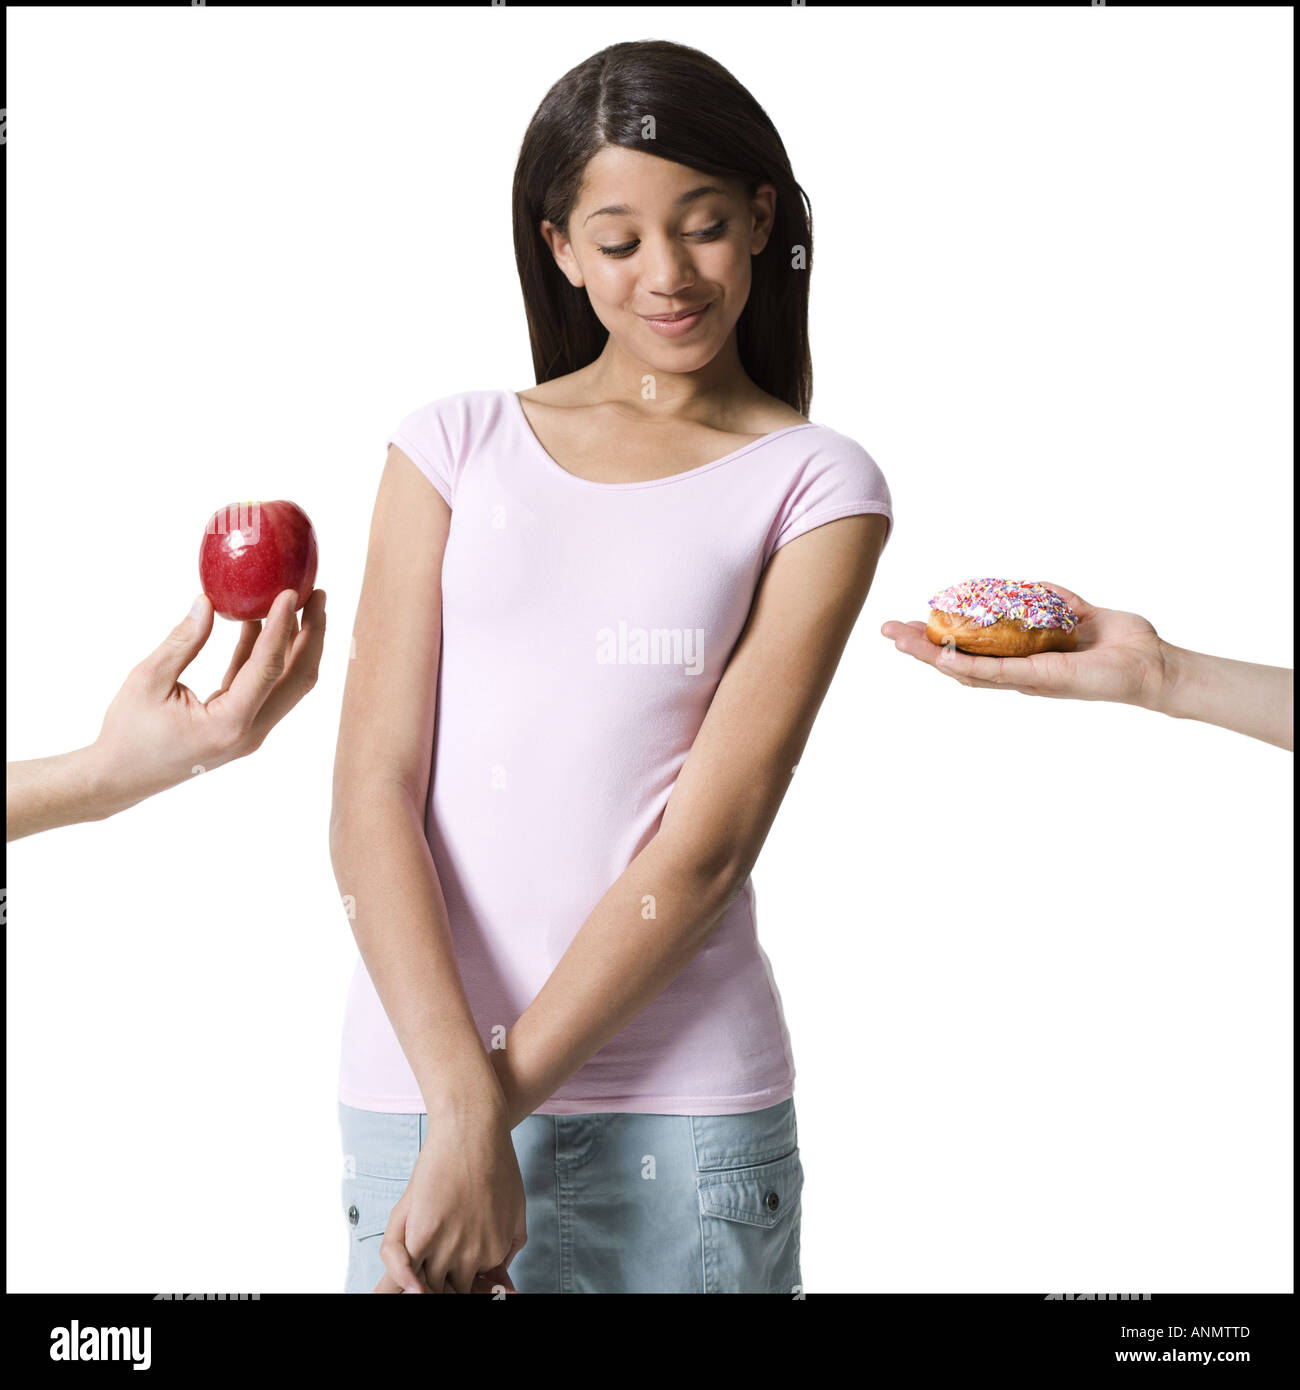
(597,622)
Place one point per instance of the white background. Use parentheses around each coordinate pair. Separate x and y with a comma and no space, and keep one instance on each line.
(1035,955)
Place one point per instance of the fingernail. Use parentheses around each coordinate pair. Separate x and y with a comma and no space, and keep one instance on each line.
(196,609)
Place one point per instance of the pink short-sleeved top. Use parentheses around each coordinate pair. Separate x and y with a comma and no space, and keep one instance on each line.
(585,627)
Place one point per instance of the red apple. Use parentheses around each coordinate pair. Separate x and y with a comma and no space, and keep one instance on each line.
(251,552)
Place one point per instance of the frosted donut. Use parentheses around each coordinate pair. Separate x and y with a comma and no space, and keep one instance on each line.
(1002,617)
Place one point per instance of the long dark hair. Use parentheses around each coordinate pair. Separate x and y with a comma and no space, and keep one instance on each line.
(704,119)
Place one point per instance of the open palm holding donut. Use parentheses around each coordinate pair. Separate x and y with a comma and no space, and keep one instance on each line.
(1120,657)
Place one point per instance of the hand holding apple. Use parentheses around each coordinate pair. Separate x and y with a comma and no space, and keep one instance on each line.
(256,562)
(157,732)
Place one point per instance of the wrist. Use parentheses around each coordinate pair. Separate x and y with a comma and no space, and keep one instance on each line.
(518,1105)
(469,1094)
(104,788)
(1169,692)
(100,792)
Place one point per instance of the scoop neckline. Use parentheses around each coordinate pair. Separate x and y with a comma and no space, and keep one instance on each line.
(545,454)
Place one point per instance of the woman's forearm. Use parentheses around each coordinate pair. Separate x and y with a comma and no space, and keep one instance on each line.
(1249,699)
(390,888)
(640,936)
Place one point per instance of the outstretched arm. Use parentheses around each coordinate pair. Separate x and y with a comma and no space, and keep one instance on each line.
(158,733)
(1121,658)
(1258,701)
(717,818)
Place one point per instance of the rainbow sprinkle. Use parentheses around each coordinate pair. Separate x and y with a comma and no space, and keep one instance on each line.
(984,601)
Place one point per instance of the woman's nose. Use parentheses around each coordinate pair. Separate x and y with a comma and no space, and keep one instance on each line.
(668,269)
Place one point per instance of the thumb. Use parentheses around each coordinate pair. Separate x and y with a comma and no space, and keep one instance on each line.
(1080,606)
(165,664)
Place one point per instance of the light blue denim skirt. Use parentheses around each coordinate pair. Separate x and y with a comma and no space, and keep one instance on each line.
(617,1203)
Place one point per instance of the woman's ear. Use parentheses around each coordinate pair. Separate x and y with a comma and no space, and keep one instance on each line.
(563,253)
(762,207)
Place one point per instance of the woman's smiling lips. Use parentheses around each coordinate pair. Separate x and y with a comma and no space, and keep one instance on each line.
(674,325)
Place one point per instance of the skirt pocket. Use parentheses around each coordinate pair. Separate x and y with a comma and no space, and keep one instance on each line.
(749,1220)
(367,1202)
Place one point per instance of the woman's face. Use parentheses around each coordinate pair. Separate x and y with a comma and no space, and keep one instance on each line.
(646,242)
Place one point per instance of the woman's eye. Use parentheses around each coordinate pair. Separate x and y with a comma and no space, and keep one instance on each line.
(707,234)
